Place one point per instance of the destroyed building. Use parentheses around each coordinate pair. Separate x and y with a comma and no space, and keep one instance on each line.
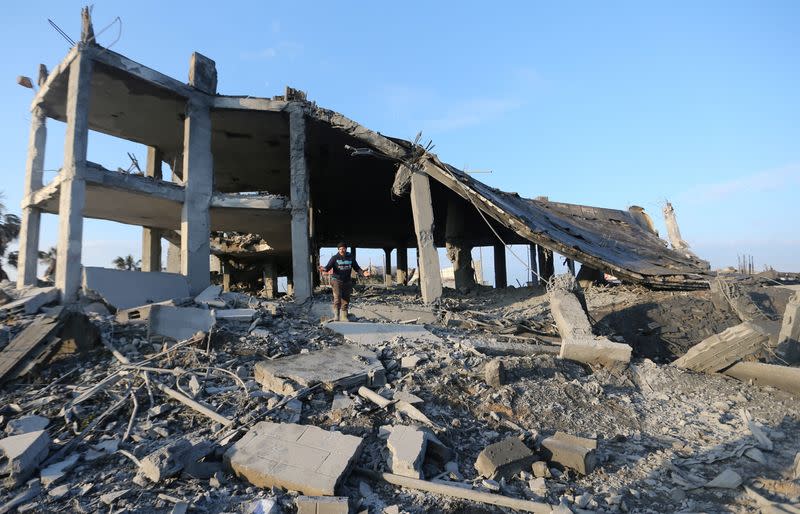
(157,392)
(278,167)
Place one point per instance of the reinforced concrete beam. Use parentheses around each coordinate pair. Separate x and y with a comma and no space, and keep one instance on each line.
(430,277)
(299,197)
(31,216)
(73,185)
(198,170)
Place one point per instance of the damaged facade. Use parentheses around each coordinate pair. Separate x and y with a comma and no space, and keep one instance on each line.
(276,169)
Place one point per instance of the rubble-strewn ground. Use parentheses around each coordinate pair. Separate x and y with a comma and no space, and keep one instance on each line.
(662,432)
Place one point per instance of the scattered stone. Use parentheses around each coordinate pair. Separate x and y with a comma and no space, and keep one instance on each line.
(756,455)
(20,455)
(53,473)
(567,454)
(171,458)
(58,492)
(494,373)
(728,479)
(540,469)
(504,459)
(263,506)
(322,504)
(113,496)
(538,486)
(412,361)
(26,424)
(762,440)
(301,458)
(407,447)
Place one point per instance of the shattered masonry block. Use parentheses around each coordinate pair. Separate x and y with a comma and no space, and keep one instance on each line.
(21,455)
(504,459)
(26,424)
(33,300)
(173,457)
(569,315)
(407,447)
(719,351)
(343,366)
(322,505)
(788,347)
(179,323)
(580,441)
(301,458)
(597,350)
(494,373)
(568,453)
(127,289)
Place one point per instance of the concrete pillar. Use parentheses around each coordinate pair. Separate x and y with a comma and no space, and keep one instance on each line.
(387,267)
(198,175)
(546,264)
(31,217)
(151,237)
(534,269)
(299,195)
(73,183)
(402,265)
(500,274)
(571,266)
(430,278)
(459,253)
(173,258)
(270,279)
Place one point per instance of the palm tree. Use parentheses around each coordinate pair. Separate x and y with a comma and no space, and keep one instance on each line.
(127,263)
(9,230)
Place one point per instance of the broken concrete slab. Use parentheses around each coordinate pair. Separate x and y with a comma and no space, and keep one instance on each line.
(504,459)
(508,348)
(301,458)
(342,366)
(172,458)
(179,323)
(32,300)
(26,424)
(210,297)
(407,447)
(568,452)
(127,289)
(142,312)
(244,315)
(570,318)
(788,347)
(373,334)
(322,505)
(53,473)
(580,441)
(719,351)
(21,455)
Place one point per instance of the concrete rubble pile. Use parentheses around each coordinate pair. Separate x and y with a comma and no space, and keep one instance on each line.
(524,399)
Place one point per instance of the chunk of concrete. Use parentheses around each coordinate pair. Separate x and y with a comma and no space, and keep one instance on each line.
(20,455)
(126,289)
(569,452)
(170,459)
(342,366)
(570,318)
(374,334)
(244,315)
(210,297)
(494,373)
(788,347)
(504,459)
(179,323)
(54,472)
(580,441)
(407,447)
(322,505)
(301,458)
(721,350)
(140,313)
(26,424)
(33,300)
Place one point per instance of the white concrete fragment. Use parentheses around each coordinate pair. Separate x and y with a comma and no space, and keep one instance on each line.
(178,323)
(26,424)
(21,454)
(127,289)
(210,297)
(55,472)
(34,299)
(407,450)
(728,479)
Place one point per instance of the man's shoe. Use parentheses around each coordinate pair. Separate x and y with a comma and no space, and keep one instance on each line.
(335,314)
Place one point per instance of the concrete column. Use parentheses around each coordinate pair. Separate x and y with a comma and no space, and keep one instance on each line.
(73,183)
(402,265)
(500,274)
(430,277)
(387,267)
(459,253)
(173,258)
(198,175)
(534,269)
(546,265)
(31,217)
(151,237)
(571,266)
(299,195)
(270,279)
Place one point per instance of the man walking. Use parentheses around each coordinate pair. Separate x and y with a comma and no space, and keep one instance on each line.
(341,265)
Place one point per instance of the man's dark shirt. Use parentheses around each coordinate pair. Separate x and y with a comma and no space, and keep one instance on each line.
(342,266)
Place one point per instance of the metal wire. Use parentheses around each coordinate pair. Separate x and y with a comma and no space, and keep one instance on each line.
(63,34)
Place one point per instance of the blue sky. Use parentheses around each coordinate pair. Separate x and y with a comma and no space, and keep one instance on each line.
(602,103)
